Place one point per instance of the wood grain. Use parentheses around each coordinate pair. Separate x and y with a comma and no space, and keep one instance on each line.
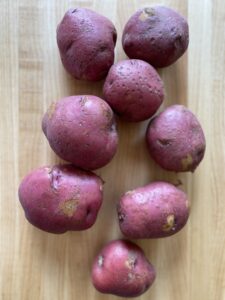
(41,266)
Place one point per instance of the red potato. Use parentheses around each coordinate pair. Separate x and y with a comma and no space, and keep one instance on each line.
(176,140)
(61,198)
(157,34)
(133,89)
(122,269)
(86,42)
(156,210)
(81,130)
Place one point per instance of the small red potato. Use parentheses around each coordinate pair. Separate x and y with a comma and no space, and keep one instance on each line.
(157,34)
(133,89)
(81,130)
(61,198)
(122,269)
(86,42)
(176,140)
(156,210)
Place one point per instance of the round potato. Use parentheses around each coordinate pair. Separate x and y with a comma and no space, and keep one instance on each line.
(176,140)
(86,42)
(81,130)
(61,198)
(157,34)
(133,89)
(122,269)
(156,210)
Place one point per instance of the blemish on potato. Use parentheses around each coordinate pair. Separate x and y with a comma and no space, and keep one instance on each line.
(186,162)
(188,204)
(121,217)
(146,13)
(164,142)
(131,261)
(131,276)
(48,169)
(129,193)
(170,221)
(100,260)
(83,100)
(51,110)
(55,176)
(68,207)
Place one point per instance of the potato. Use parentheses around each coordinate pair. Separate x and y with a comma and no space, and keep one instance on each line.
(176,140)
(133,89)
(122,269)
(157,34)
(81,130)
(86,42)
(156,210)
(61,198)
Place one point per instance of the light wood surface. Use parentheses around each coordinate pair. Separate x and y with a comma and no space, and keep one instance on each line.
(39,266)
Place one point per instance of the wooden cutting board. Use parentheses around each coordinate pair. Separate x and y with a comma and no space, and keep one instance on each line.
(39,266)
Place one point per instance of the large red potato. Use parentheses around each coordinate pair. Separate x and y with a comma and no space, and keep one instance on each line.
(81,130)
(156,210)
(122,269)
(86,42)
(133,89)
(176,140)
(157,34)
(61,198)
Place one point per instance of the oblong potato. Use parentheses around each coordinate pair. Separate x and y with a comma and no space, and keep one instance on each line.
(157,34)
(122,269)
(61,198)
(86,42)
(81,130)
(175,139)
(156,210)
(133,89)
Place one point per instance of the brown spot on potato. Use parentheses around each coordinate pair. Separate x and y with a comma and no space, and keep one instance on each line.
(131,276)
(188,205)
(170,221)
(186,162)
(129,193)
(146,13)
(100,260)
(131,260)
(51,110)
(48,169)
(55,177)
(68,207)
(164,142)
(83,100)
(121,217)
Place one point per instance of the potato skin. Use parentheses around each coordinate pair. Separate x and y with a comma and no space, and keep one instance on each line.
(157,34)
(122,269)
(61,198)
(176,140)
(86,42)
(133,89)
(156,210)
(81,130)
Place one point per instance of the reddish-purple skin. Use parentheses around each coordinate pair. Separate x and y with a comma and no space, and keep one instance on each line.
(82,130)
(122,269)
(158,35)
(133,89)
(61,198)
(143,212)
(86,42)
(176,140)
